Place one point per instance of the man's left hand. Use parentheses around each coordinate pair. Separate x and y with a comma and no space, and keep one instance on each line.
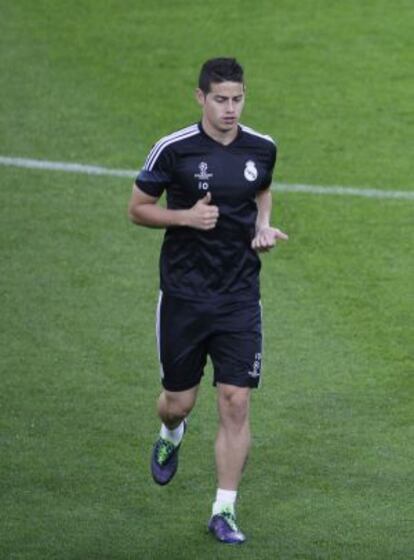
(266,238)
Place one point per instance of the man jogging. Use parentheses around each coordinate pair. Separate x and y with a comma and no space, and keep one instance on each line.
(217,176)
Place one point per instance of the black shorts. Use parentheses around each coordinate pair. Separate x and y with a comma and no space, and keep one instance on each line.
(188,331)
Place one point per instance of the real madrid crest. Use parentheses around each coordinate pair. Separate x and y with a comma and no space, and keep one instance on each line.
(250,171)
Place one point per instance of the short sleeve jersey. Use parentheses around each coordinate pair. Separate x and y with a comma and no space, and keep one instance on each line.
(218,264)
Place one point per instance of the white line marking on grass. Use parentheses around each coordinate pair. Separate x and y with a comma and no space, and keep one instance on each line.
(67,167)
(280,187)
(343,191)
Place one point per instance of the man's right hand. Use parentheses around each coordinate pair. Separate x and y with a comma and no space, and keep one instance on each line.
(203,215)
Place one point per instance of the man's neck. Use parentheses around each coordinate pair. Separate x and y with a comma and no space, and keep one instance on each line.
(224,137)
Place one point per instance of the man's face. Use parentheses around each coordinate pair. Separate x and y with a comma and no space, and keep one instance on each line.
(222,106)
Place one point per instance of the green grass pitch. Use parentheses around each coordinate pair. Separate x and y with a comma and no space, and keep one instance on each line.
(330,472)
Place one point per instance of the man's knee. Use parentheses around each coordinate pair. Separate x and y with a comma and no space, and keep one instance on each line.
(234,403)
(177,404)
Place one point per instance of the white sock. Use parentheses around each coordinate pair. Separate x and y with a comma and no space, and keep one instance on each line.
(225,499)
(175,436)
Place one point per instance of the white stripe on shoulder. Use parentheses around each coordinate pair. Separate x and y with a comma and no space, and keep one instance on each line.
(255,133)
(166,141)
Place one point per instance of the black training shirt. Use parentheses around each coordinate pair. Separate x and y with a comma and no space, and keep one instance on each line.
(217,264)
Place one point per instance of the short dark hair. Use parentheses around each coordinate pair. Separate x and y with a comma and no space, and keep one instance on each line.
(218,70)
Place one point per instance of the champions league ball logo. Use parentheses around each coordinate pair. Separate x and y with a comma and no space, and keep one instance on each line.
(250,171)
(203,176)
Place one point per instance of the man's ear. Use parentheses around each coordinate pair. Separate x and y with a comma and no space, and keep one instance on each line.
(200,97)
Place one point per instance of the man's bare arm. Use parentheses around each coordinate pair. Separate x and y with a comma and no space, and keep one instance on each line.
(144,210)
(266,236)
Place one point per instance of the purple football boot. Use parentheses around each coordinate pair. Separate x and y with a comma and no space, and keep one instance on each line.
(223,527)
(164,459)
